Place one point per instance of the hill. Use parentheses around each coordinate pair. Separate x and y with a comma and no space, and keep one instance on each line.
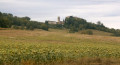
(74,24)
(76,42)
(57,47)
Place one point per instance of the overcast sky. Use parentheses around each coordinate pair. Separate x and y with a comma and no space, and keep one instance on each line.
(106,11)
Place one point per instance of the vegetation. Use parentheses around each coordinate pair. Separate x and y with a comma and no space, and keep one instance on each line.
(54,26)
(7,20)
(74,24)
(89,32)
(57,47)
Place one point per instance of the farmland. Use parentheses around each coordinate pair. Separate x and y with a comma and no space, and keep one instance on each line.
(57,47)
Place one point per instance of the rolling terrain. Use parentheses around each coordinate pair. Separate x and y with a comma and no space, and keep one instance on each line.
(58,47)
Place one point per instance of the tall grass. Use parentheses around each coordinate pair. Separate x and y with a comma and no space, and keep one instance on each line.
(57,48)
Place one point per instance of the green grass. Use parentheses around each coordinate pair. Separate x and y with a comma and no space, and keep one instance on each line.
(57,47)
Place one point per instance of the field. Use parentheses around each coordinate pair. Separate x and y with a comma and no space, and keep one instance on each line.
(57,47)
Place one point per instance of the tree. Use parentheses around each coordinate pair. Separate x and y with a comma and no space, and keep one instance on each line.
(31,28)
(15,27)
(46,22)
(100,24)
(74,23)
(44,27)
(26,18)
(22,27)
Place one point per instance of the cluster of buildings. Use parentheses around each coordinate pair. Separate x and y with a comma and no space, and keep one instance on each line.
(54,22)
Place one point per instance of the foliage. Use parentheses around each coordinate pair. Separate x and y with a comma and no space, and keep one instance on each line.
(44,27)
(73,21)
(55,26)
(89,32)
(59,26)
(22,27)
(74,24)
(117,33)
(7,20)
(15,27)
(73,29)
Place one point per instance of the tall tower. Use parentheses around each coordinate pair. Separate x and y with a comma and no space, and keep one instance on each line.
(58,19)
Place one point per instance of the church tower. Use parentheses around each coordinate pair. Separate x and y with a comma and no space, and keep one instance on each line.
(59,20)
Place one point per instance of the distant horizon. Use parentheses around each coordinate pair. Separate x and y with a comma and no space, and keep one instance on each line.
(106,11)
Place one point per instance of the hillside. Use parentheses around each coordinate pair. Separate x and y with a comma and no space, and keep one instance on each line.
(72,23)
(57,47)
(97,32)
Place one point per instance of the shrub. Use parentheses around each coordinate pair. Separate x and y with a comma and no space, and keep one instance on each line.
(31,28)
(44,27)
(15,27)
(89,32)
(73,30)
(22,27)
(116,34)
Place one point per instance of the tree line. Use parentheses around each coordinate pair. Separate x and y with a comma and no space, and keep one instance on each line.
(7,20)
(74,24)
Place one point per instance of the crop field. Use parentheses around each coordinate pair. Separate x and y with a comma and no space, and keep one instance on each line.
(57,47)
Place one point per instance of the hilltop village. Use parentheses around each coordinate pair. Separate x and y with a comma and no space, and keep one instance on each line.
(56,22)
(71,23)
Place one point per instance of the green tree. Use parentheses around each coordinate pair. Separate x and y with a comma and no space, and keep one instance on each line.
(44,27)
(31,28)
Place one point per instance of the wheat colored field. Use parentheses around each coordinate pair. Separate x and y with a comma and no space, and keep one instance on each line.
(58,47)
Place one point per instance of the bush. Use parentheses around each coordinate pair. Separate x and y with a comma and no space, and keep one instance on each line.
(89,32)
(15,27)
(31,28)
(73,30)
(44,27)
(22,27)
(116,34)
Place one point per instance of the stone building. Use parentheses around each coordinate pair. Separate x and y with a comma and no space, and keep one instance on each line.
(60,22)
(54,22)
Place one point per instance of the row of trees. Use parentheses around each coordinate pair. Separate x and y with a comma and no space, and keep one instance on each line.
(74,24)
(7,20)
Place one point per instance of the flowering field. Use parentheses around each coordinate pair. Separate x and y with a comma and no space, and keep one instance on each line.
(19,47)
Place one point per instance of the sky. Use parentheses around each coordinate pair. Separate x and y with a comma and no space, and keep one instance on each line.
(106,11)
